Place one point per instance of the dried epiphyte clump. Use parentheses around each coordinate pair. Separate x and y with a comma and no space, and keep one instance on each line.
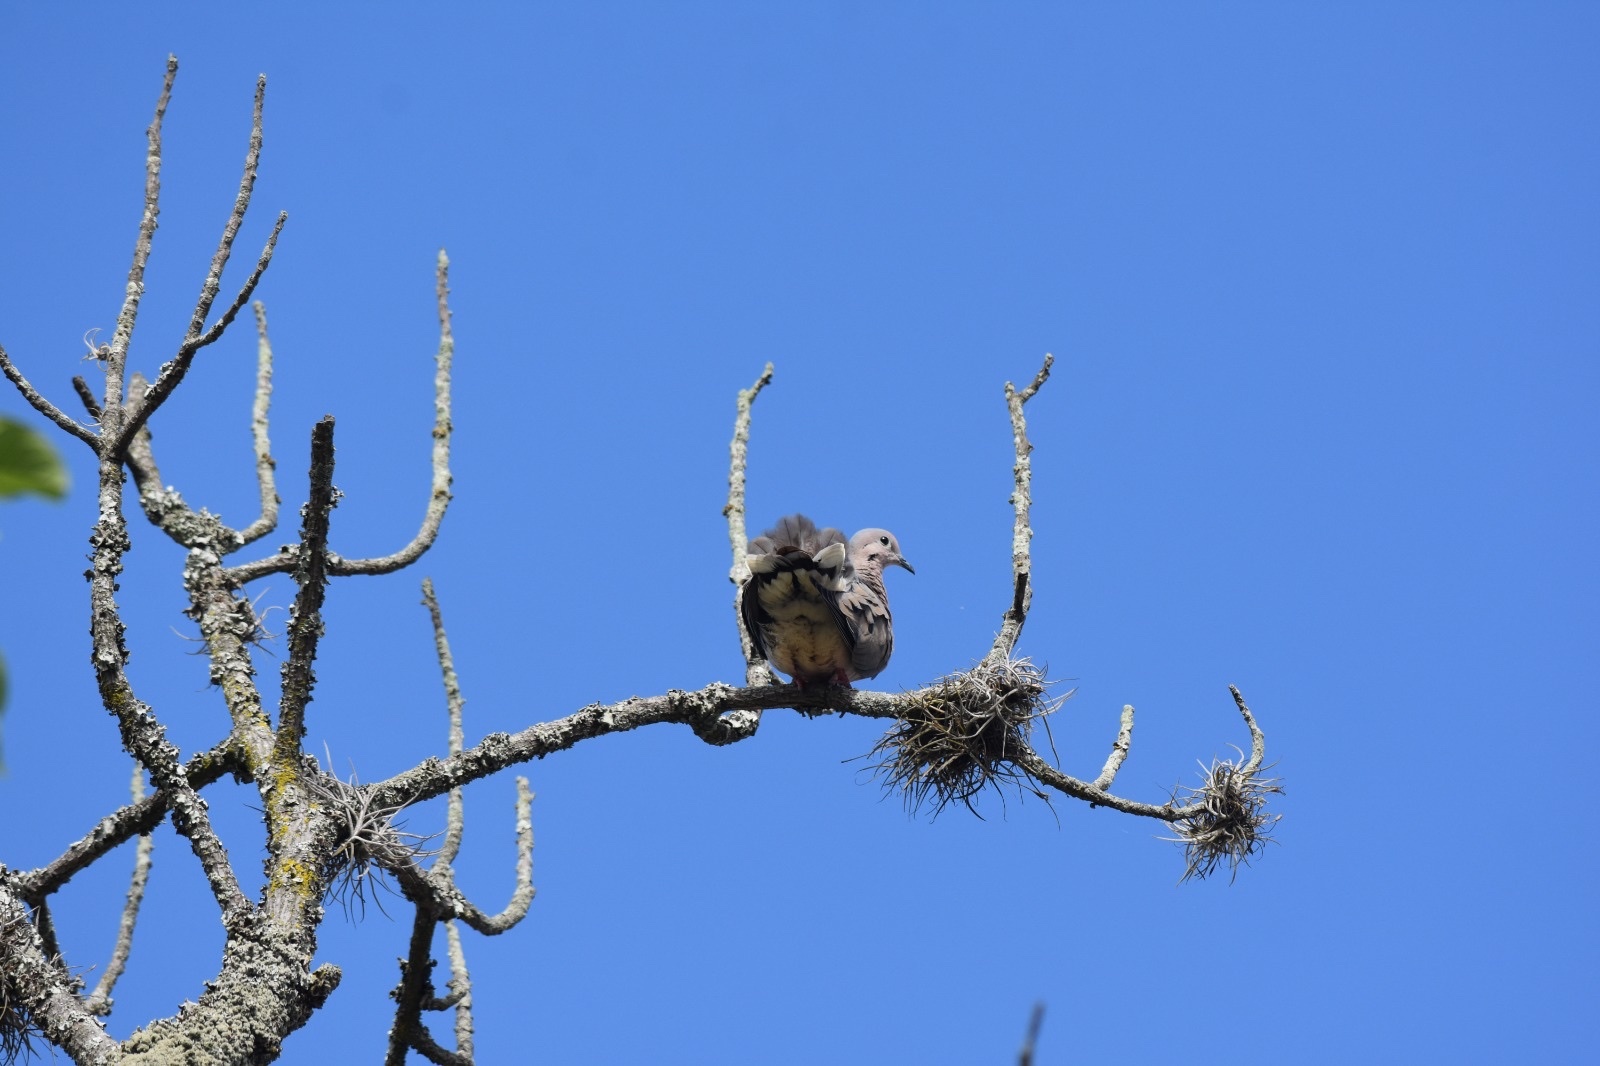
(16,1032)
(369,839)
(16,1029)
(959,735)
(1231,824)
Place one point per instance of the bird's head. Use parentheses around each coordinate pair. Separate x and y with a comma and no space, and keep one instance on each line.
(877,546)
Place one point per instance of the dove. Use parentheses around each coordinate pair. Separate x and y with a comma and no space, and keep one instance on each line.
(815,605)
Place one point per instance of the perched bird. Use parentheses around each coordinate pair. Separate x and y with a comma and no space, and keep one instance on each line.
(814,604)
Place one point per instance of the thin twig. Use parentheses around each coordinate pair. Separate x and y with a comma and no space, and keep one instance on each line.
(1258,739)
(86,395)
(99,1001)
(277,563)
(117,357)
(44,406)
(173,371)
(756,671)
(1119,750)
(453,701)
(738,459)
(305,617)
(241,204)
(439,497)
(265,465)
(1021,499)
(197,337)
(1025,1056)
(460,990)
(727,729)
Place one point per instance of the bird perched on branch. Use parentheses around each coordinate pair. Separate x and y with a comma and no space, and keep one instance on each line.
(814,604)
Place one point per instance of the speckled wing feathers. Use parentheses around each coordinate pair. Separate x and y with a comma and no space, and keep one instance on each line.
(815,605)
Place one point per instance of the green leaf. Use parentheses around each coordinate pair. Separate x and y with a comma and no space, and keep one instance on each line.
(28,463)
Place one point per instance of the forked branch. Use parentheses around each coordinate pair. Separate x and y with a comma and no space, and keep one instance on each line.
(438,900)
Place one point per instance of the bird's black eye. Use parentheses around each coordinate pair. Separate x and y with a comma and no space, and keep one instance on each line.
(883,540)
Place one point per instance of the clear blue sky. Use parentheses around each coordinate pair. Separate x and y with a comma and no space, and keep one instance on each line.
(1322,283)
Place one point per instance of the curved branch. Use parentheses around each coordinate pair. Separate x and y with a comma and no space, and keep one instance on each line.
(497,751)
(522,895)
(1119,750)
(494,753)
(1258,739)
(165,507)
(439,498)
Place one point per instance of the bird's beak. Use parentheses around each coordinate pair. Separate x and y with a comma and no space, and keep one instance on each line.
(902,562)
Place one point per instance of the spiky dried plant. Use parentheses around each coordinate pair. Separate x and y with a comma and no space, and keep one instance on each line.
(1231,825)
(369,840)
(16,1028)
(959,735)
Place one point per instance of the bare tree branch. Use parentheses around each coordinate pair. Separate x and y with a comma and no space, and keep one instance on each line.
(963,733)
(1119,750)
(442,874)
(454,703)
(99,1001)
(173,371)
(258,432)
(163,506)
(461,985)
(436,897)
(1021,499)
(439,498)
(756,669)
(740,725)
(117,357)
(87,397)
(121,825)
(35,979)
(142,733)
(738,460)
(241,204)
(1029,1042)
(44,406)
(305,617)
(416,986)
